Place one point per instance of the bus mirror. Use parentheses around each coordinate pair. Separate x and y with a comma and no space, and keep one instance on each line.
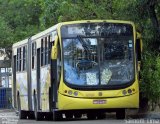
(139,41)
(54,50)
(139,48)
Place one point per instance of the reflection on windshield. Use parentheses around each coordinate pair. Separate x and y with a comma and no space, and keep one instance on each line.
(80,62)
(98,61)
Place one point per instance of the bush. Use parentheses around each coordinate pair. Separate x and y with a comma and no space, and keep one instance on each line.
(150,86)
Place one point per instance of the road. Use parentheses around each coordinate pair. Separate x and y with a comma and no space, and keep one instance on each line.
(10,117)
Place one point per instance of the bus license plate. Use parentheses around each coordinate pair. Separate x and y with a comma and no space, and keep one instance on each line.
(99,101)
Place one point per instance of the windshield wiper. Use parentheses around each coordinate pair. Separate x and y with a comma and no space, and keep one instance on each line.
(84,44)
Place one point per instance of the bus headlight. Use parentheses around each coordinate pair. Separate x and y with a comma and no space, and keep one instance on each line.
(70,92)
(75,93)
(124,92)
(129,91)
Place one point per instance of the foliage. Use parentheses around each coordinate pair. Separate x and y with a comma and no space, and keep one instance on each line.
(6,33)
(22,17)
(151,76)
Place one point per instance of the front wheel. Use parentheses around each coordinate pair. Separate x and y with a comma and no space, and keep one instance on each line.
(91,116)
(120,114)
(57,116)
(101,115)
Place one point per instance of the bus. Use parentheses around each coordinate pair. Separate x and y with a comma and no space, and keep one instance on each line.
(77,68)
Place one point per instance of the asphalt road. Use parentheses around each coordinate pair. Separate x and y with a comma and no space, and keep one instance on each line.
(10,117)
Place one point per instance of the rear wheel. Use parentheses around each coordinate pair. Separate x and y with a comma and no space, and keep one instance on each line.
(120,114)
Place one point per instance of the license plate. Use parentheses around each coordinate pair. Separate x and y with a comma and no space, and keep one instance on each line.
(99,101)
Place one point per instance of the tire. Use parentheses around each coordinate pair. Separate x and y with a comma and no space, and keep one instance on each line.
(69,115)
(22,114)
(57,116)
(101,115)
(39,116)
(120,114)
(49,116)
(31,115)
(77,115)
(91,116)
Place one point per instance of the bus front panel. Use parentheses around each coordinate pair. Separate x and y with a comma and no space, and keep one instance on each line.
(98,58)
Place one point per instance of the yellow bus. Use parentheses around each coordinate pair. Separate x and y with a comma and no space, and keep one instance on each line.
(78,67)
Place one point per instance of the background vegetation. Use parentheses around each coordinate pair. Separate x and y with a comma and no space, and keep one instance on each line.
(23,18)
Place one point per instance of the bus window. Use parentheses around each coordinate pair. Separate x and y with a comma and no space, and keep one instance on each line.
(17,60)
(80,60)
(98,54)
(116,63)
(42,52)
(46,50)
(33,55)
(49,49)
(24,58)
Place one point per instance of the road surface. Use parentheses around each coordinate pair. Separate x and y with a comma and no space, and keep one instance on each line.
(10,117)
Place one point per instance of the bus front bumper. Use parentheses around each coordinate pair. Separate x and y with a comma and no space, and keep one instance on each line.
(72,103)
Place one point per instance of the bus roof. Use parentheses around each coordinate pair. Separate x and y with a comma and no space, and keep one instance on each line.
(94,21)
(41,34)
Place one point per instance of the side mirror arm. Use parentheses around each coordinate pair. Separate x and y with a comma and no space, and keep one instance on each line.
(54,51)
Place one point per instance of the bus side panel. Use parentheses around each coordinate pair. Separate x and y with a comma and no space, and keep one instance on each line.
(21,80)
(34,84)
(45,84)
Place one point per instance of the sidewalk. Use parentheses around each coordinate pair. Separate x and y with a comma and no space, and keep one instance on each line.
(6,110)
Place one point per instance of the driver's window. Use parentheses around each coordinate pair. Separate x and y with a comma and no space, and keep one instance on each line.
(80,61)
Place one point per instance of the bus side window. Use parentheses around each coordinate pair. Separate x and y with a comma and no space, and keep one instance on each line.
(42,52)
(49,49)
(46,50)
(17,60)
(24,58)
(20,60)
(33,55)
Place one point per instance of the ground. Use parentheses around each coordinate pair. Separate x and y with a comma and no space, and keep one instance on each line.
(10,117)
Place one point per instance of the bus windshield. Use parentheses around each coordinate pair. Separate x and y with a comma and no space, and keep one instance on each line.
(97,54)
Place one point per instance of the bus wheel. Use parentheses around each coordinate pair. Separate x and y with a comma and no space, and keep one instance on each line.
(39,116)
(69,115)
(120,114)
(77,115)
(57,116)
(91,116)
(101,115)
(22,114)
